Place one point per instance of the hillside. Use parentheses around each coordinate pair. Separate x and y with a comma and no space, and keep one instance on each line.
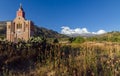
(113,36)
(39,31)
(2,27)
(43,32)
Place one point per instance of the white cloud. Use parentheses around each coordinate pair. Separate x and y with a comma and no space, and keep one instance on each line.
(68,31)
(99,32)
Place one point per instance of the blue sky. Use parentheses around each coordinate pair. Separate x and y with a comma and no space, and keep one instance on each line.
(93,15)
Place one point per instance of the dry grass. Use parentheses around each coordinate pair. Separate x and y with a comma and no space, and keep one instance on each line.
(86,59)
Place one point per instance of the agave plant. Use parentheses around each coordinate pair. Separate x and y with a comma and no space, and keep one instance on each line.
(35,39)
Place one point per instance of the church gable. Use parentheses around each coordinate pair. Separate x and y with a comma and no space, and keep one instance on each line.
(19,28)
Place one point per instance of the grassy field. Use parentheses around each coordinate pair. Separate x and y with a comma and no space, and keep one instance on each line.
(47,59)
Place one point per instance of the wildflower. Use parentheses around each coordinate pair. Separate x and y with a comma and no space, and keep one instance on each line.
(117,61)
(112,65)
(108,62)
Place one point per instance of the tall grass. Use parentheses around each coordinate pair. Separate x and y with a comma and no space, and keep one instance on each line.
(47,59)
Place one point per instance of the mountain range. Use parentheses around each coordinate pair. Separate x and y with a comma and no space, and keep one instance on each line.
(47,33)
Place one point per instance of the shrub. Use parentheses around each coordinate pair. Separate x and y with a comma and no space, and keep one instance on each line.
(55,40)
(79,40)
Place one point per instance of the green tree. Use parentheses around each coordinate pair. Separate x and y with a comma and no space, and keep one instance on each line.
(71,39)
(55,40)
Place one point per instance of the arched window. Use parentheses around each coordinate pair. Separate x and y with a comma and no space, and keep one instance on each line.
(8,26)
(19,26)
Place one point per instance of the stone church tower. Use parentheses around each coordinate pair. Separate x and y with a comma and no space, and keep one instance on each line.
(19,28)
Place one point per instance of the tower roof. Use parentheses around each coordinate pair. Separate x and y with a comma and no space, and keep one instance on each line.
(21,12)
(21,7)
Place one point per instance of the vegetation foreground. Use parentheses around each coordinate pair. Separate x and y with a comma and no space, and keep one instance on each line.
(47,59)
